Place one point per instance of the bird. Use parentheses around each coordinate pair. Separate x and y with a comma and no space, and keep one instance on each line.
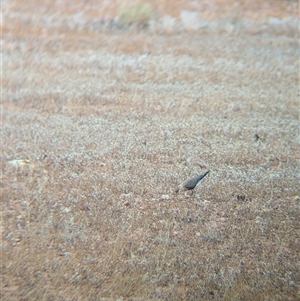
(191,183)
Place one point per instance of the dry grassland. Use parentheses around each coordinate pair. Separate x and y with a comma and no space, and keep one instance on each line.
(99,125)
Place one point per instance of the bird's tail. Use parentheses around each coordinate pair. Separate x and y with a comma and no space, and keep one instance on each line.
(203,175)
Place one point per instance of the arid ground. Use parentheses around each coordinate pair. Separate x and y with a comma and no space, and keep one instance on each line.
(104,114)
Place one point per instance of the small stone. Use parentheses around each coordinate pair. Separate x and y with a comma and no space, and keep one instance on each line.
(125,196)
(168,24)
(190,20)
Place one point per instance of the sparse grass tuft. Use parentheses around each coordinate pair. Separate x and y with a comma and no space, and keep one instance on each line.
(138,13)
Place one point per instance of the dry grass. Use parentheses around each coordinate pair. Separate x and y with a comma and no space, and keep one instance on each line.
(100,126)
(139,13)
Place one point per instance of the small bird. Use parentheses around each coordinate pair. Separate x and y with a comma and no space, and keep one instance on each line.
(191,183)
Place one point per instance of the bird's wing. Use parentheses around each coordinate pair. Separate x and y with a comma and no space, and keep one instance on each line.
(191,183)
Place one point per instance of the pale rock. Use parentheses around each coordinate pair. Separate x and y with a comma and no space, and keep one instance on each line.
(190,20)
(168,24)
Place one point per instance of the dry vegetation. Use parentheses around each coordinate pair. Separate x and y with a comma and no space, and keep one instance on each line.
(100,125)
